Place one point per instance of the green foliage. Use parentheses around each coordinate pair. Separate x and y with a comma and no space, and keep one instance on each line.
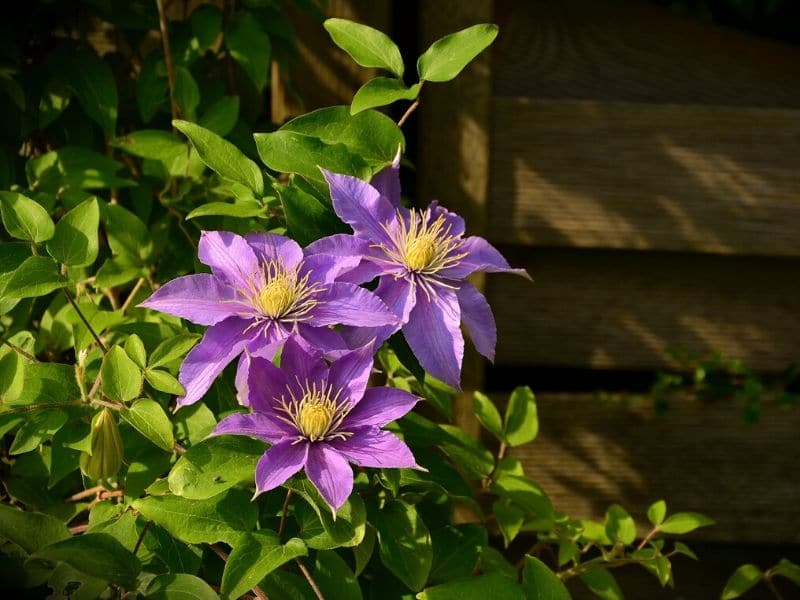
(448,56)
(365,45)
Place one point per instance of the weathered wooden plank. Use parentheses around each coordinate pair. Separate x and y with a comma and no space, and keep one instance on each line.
(612,309)
(591,453)
(324,75)
(646,176)
(453,161)
(631,50)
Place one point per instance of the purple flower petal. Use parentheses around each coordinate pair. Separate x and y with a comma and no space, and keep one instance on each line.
(330,473)
(219,346)
(280,462)
(351,372)
(379,406)
(454,221)
(302,362)
(375,448)
(326,340)
(257,425)
(265,383)
(387,181)
(263,346)
(347,246)
(326,268)
(433,333)
(361,206)
(478,318)
(481,256)
(271,246)
(229,256)
(349,304)
(201,299)
(399,296)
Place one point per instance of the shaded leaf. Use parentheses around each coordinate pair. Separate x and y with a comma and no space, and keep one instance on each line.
(404,543)
(521,421)
(540,583)
(255,556)
(743,578)
(25,219)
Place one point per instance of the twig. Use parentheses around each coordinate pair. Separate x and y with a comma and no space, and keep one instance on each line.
(310,579)
(141,536)
(647,538)
(92,491)
(107,404)
(162,18)
(771,584)
(85,322)
(259,593)
(19,350)
(282,526)
(129,300)
(47,405)
(76,529)
(178,449)
(408,112)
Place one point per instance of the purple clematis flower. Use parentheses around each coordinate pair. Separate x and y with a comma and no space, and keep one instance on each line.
(422,259)
(320,418)
(262,288)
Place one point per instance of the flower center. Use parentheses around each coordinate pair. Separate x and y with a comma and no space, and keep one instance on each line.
(421,244)
(317,414)
(276,292)
(420,252)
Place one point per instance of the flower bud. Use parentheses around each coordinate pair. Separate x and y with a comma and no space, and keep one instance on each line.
(106,448)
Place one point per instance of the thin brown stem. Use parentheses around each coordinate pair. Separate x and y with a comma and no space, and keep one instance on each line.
(408,112)
(85,322)
(18,350)
(140,539)
(178,449)
(107,404)
(771,585)
(76,529)
(309,579)
(162,19)
(87,493)
(48,405)
(647,538)
(129,300)
(282,526)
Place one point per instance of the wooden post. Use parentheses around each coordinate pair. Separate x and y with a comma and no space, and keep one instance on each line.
(454,127)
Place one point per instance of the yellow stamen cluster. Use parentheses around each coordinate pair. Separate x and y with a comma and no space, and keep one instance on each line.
(317,414)
(422,245)
(279,293)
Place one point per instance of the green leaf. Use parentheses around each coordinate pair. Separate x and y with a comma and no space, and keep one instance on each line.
(172,349)
(221,116)
(152,87)
(524,493)
(602,584)
(307,219)
(319,529)
(254,557)
(540,583)
(95,554)
(128,236)
(151,143)
(475,588)
(656,512)
(31,531)
(788,569)
(250,46)
(456,551)
(223,157)
(93,83)
(73,167)
(684,522)
(448,56)
(619,525)
(240,210)
(54,100)
(122,379)
(743,578)
(25,219)
(380,92)
(39,427)
(75,240)
(488,415)
(222,518)
(521,422)
(149,419)
(134,348)
(365,45)
(36,276)
(363,552)
(177,556)
(333,139)
(215,465)
(404,543)
(466,452)
(206,22)
(509,518)
(187,92)
(682,548)
(334,577)
(164,382)
(179,586)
